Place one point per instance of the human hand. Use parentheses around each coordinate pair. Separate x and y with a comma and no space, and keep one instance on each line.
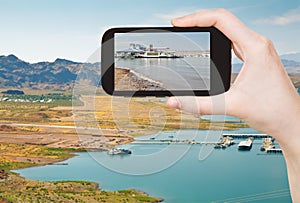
(262,95)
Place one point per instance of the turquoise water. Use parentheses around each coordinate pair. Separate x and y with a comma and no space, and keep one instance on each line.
(226,175)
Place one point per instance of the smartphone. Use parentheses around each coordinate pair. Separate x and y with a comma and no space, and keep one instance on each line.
(165,61)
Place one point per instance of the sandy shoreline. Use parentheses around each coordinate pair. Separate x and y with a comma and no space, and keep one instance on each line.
(126,79)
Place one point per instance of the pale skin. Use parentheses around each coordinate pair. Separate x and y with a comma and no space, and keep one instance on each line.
(262,95)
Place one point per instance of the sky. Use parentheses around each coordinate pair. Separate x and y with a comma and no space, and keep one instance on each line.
(43,30)
(180,41)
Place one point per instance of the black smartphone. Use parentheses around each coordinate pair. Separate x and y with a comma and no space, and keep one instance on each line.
(165,61)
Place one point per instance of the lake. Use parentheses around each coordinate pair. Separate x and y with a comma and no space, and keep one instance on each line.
(175,74)
(225,175)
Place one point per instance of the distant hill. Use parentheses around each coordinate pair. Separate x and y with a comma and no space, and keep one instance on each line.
(60,74)
(290,65)
(292,56)
(292,68)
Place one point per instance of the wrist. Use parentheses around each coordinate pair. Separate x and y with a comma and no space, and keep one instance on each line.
(288,133)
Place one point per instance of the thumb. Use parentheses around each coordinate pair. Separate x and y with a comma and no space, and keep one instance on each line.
(199,105)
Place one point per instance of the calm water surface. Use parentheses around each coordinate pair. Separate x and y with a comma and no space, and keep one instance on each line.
(176,74)
(226,175)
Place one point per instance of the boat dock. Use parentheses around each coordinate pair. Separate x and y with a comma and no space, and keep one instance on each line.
(167,142)
(274,151)
(225,141)
(247,135)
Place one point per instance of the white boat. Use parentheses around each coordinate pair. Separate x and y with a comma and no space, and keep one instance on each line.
(118,151)
(246,144)
(157,54)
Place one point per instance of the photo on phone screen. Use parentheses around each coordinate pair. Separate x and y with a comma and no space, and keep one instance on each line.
(162,61)
(165,61)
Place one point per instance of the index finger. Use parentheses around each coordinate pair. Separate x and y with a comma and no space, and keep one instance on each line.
(222,19)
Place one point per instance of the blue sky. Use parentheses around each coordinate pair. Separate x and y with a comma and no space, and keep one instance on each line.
(174,41)
(43,30)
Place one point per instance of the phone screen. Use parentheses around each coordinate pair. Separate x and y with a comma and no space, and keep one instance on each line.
(160,61)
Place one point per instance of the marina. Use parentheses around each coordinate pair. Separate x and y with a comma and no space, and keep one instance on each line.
(225,141)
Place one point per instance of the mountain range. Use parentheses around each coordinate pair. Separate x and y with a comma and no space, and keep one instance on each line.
(58,75)
(291,62)
(61,74)
(291,56)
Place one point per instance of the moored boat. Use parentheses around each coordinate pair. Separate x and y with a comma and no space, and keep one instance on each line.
(157,54)
(118,151)
(246,144)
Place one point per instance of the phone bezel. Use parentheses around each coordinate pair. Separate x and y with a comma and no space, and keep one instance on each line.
(220,55)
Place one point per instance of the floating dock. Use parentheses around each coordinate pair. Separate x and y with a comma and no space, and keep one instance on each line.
(168,141)
(225,141)
(247,135)
(274,151)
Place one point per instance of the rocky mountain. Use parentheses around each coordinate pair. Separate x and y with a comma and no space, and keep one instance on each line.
(60,74)
(290,66)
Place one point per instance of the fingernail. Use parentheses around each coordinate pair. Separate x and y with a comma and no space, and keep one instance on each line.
(176,20)
(173,102)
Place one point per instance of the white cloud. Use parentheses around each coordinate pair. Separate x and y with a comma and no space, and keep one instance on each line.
(165,18)
(291,16)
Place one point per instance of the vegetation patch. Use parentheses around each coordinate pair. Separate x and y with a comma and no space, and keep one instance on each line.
(14,188)
(150,115)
